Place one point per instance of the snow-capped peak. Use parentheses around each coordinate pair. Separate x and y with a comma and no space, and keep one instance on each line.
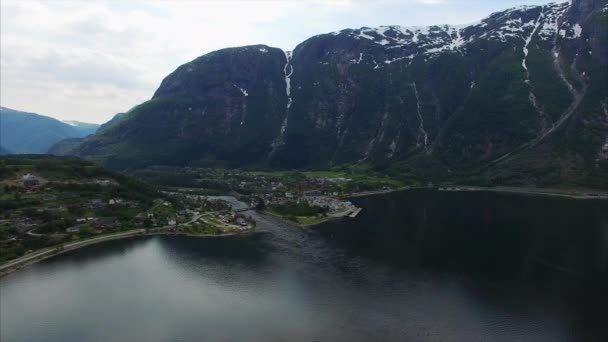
(520,24)
(71,122)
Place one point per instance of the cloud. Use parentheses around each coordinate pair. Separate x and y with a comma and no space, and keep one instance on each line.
(431,2)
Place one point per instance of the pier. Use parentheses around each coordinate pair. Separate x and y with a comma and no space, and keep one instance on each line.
(354,213)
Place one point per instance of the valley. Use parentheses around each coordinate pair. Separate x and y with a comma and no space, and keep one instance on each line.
(305,178)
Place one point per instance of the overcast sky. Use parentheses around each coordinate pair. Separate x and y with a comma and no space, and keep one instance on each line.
(87,60)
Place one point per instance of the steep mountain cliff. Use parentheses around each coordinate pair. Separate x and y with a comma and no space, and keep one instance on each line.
(521,96)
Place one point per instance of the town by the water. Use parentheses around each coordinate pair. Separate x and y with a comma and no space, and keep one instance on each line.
(54,207)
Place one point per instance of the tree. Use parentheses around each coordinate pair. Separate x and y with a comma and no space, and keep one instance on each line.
(260,205)
(86,231)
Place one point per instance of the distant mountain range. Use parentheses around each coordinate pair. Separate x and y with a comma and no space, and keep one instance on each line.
(84,127)
(29,133)
(519,98)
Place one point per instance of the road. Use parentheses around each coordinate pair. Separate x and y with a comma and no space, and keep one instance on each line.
(74,245)
(46,252)
(194,219)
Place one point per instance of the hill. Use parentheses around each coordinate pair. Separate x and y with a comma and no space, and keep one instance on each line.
(23,133)
(47,200)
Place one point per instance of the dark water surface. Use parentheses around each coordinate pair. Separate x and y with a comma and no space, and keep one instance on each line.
(413,266)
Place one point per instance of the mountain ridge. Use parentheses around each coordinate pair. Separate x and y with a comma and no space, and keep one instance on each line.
(27,133)
(438,100)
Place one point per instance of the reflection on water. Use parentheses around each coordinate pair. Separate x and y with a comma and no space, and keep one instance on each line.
(415,266)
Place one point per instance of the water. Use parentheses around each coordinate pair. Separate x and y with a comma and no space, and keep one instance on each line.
(413,266)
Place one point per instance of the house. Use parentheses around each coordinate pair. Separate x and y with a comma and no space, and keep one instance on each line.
(103,182)
(115,201)
(81,220)
(30,181)
(51,208)
(312,193)
(241,221)
(72,230)
(48,197)
(172,222)
(96,203)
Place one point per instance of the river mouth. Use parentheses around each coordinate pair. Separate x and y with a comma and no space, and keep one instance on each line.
(414,266)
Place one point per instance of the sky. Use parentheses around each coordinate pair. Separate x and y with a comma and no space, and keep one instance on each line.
(88,60)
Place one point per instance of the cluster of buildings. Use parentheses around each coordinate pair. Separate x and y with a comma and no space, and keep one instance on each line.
(231,218)
(105,182)
(98,203)
(317,198)
(32,182)
(332,203)
(22,225)
(29,181)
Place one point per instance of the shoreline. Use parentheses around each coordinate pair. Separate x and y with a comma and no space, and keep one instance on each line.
(382,192)
(300,225)
(545,192)
(296,224)
(49,252)
(572,194)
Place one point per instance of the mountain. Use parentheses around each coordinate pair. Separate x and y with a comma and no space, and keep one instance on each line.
(518,98)
(115,120)
(82,127)
(22,132)
(67,146)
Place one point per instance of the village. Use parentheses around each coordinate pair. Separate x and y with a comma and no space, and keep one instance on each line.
(303,199)
(307,208)
(50,203)
(45,212)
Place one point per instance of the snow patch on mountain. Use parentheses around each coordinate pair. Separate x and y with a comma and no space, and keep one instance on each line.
(71,123)
(244,91)
(288,74)
(529,38)
(578,30)
(358,61)
(430,39)
(553,14)
(390,61)
(517,23)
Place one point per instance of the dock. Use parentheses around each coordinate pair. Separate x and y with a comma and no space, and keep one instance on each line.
(354,213)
